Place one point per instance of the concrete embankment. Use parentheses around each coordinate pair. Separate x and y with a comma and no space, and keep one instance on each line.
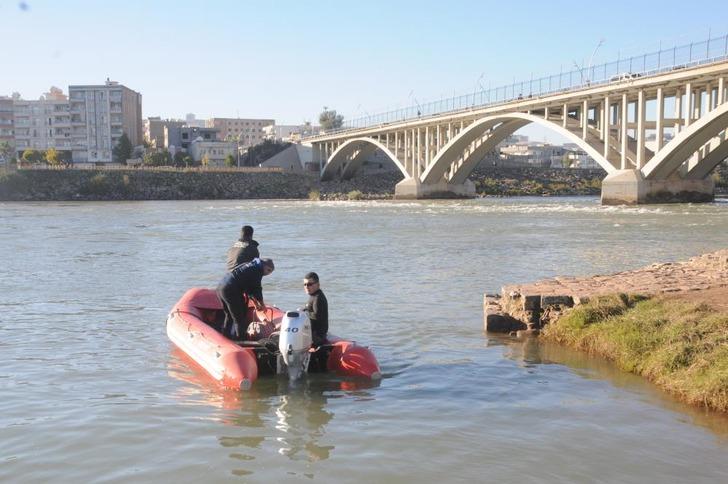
(70,184)
(667,322)
(193,184)
(112,185)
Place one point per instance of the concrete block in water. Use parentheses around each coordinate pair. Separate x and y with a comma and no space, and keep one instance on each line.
(502,323)
(546,301)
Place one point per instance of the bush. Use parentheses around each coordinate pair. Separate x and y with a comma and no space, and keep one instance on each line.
(354,195)
(96,185)
(314,195)
(13,182)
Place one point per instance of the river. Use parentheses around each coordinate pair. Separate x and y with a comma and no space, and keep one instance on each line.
(91,389)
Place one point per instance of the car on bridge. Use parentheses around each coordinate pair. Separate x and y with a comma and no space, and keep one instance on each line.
(624,77)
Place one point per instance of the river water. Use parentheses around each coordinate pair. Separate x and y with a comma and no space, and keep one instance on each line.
(91,390)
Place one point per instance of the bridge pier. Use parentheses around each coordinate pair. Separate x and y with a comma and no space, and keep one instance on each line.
(629,187)
(411,188)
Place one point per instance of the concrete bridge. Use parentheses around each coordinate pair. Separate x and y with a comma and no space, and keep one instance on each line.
(657,124)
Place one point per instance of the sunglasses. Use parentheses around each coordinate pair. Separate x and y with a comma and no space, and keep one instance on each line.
(308,284)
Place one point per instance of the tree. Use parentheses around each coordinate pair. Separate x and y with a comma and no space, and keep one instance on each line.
(52,157)
(179,158)
(6,150)
(329,120)
(123,149)
(32,156)
(230,160)
(158,158)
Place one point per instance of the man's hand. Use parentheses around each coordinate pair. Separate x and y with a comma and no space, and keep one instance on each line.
(258,305)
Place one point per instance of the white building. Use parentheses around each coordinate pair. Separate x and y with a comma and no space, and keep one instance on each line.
(42,124)
(289,133)
(100,114)
(575,157)
(216,151)
(192,121)
(542,154)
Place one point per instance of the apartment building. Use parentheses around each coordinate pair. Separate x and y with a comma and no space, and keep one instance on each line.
(154,129)
(7,133)
(533,153)
(180,137)
(42,124)
(292,133)
(215,151)
(249,132)
(100,114)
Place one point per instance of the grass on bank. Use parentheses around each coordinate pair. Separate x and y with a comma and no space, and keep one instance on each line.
(682,347)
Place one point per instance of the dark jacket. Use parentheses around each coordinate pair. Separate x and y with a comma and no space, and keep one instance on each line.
(241,252)
(318,312)
(245,278)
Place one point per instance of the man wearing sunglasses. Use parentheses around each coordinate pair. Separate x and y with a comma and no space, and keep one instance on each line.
(317,308)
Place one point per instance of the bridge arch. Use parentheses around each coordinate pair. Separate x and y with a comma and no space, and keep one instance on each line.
(351,154)
(687,142)
(502,126)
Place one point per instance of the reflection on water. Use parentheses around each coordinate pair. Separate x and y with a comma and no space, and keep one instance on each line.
(297,410)
(301,420)
(531,351)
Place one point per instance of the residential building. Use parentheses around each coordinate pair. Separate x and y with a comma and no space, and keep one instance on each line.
(542,154)
(154,129)
(7,133)
(576,157)
(42,124)
(216,151)
(100,114)
(248,132)
(180,137)
(291,133)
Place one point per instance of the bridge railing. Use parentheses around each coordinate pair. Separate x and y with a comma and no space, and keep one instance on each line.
(679,57)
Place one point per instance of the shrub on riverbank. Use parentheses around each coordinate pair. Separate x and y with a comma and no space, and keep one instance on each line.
(682,347)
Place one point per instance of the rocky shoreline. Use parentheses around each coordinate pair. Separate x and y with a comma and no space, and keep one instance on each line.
(667,322)
(527,308)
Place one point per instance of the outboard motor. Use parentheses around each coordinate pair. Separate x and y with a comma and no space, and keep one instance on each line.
(294,343)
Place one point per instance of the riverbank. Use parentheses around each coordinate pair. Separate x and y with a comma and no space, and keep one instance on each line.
(666,322)
(134,184)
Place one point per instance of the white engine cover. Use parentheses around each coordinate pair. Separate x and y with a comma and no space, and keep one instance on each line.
(295,341)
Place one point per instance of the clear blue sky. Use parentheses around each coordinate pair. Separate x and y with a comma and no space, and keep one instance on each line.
(286,60)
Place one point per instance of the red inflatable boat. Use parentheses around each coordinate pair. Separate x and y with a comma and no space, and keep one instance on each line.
(194,326)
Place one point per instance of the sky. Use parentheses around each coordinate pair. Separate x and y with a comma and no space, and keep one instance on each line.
(286,60)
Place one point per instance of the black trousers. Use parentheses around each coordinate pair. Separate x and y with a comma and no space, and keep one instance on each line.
(235,308)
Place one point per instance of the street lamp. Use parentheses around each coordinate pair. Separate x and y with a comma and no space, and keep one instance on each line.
(601,41)
(475,88)
(237,143)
